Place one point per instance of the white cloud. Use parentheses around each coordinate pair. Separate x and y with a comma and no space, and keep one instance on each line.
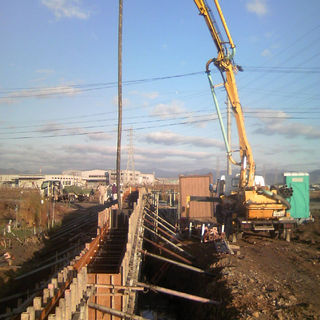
(163,155)
(266,53)
(169,138)
(170,110)
(259,7)
(54,158)
(269,116)
(148,95)
(99,137)
(79,149)
(276,122)
(40,93)
(67,8)
(269,34)
(50,128)
(290,130)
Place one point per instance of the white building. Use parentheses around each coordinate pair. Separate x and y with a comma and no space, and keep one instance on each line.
(88,179)
(91,178)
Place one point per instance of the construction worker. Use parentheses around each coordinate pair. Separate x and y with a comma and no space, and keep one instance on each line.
(114,192)
(102,192)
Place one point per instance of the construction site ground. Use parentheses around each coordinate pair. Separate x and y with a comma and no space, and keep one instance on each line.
(269,279)
(266,279)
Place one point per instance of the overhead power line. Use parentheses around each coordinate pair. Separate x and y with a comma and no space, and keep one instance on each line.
(58,90)
(203,118)
(37,92)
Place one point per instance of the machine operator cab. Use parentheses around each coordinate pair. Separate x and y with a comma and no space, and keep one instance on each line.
(228,185)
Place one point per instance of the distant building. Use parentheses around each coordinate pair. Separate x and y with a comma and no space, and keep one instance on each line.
(88,179)
(129,177)
(109,177)
(91,178)
(21,180)
(35,180)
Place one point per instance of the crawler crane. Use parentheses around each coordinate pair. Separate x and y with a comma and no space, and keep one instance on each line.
(251,206)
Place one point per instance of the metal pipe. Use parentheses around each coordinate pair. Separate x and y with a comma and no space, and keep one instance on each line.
(166,233)
(224,24)
(112,286)
(229,152)
(168,251)
(179,294)
(168,241)
(114,312)
(169,224)
(172,232)
(177,263)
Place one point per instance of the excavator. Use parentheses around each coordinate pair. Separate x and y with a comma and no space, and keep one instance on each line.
(250,207)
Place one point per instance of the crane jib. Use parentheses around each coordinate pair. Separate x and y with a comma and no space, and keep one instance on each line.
(224,63)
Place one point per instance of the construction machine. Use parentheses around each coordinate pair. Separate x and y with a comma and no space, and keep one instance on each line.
(250,206)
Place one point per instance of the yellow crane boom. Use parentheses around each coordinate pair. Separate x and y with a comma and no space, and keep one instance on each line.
(224,63)
(250,207)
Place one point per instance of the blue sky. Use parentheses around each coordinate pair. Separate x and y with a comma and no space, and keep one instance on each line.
(59,72)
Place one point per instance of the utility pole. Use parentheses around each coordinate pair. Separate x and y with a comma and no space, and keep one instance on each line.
(119,103)
(229,168)
(130,163)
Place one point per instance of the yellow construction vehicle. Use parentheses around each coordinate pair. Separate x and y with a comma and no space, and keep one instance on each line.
(252,206)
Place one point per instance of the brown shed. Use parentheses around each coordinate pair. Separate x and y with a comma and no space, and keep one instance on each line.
(195,185)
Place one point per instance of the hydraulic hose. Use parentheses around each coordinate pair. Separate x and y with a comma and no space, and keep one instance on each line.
(276,197)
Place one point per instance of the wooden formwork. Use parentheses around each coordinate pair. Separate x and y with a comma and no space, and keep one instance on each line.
(107,297)
(112,297)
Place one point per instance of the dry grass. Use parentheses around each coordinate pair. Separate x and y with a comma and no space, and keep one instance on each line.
(27,207)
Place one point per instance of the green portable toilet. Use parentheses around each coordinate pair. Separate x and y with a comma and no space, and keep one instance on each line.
(299,201)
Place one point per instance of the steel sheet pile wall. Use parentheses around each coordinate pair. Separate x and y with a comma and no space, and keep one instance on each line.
(62,296)
(131,262)
(195,185)
(108,296)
